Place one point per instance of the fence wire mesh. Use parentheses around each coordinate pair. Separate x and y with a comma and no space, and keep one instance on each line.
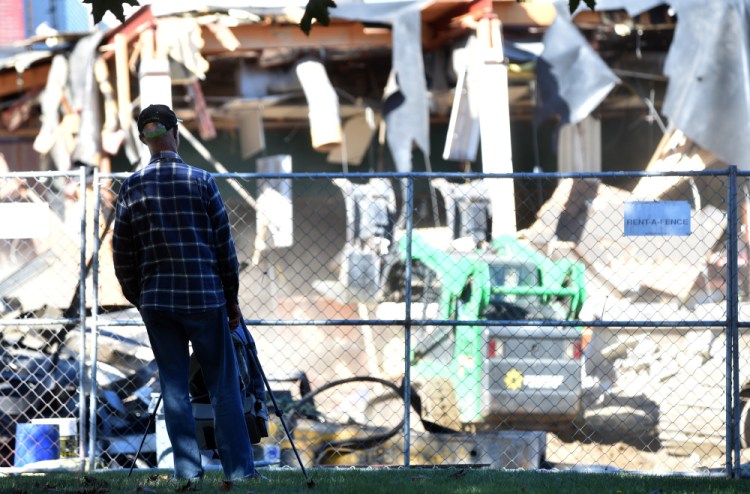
(40,292)
(547,337)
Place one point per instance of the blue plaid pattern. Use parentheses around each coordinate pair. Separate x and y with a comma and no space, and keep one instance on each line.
(172,244)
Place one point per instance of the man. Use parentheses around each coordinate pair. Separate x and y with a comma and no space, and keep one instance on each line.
(175,260)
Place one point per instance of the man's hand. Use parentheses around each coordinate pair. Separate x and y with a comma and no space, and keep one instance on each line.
(234,314)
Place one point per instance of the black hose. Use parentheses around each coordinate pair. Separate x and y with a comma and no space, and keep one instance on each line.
(358,444)
(350,444)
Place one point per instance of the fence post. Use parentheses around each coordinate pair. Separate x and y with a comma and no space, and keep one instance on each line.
(93,399)
(732,365)
(409,209)
(82,323)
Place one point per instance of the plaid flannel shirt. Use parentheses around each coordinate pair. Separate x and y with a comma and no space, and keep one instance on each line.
(172,243)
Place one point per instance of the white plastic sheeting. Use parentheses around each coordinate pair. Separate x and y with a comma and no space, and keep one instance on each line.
(573,80)
(708,65)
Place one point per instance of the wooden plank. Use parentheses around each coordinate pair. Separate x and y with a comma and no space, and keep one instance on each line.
(19,112)
(122,75)
(525,14)
(257,37)
(12,82)
(206,155)
(206,128)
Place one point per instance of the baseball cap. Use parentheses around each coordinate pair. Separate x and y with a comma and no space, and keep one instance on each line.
(161,114)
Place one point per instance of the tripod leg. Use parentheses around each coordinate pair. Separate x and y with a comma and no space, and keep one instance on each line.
(145,433)
(310,482)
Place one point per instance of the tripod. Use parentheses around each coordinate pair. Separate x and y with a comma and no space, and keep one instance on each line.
(251,351)
(145,433)
(254,356)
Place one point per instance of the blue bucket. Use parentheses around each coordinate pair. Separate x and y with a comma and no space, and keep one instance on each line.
(36,442)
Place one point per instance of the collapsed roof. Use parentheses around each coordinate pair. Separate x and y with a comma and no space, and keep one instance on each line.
(226,61)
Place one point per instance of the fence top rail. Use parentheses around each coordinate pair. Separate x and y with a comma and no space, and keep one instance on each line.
(452,322)
(456,175)
(38,322)
(9,175)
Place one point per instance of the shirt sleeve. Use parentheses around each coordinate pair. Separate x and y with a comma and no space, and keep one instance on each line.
(123,254)
(226,254)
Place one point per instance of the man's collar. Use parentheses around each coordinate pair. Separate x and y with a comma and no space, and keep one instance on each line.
(165,156)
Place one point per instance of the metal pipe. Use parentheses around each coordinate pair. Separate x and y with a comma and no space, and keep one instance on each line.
(731,319)
(82,323)
(733,390)
(93,398)
(409,208)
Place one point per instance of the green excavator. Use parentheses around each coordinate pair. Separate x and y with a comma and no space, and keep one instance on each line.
(512,364)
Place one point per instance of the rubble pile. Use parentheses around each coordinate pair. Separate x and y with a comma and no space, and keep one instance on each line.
(654,387)
(669,383)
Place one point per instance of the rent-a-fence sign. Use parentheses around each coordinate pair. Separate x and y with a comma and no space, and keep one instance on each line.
(657,218)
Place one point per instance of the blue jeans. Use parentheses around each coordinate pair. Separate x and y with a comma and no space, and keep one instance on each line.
(169,334)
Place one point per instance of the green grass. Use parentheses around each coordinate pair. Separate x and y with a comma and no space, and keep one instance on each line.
(385,481)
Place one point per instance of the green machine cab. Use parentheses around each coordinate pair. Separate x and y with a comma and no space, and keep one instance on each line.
(526,375)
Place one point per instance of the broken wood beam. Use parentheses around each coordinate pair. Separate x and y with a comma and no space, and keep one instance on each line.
(259,36)
(206,154)
(34,77)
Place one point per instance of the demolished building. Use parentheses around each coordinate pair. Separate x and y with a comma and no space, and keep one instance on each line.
(243,73)
(376,90)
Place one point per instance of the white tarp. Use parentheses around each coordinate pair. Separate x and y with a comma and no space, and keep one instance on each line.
(572,77)
(708,65)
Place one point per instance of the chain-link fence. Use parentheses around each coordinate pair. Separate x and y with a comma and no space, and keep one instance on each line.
(599,325)
(42,272)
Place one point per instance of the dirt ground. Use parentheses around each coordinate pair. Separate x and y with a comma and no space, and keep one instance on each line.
(621,456)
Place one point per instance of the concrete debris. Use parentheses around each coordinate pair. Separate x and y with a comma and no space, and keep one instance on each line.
(670,381)
(673,378)
(590,215)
